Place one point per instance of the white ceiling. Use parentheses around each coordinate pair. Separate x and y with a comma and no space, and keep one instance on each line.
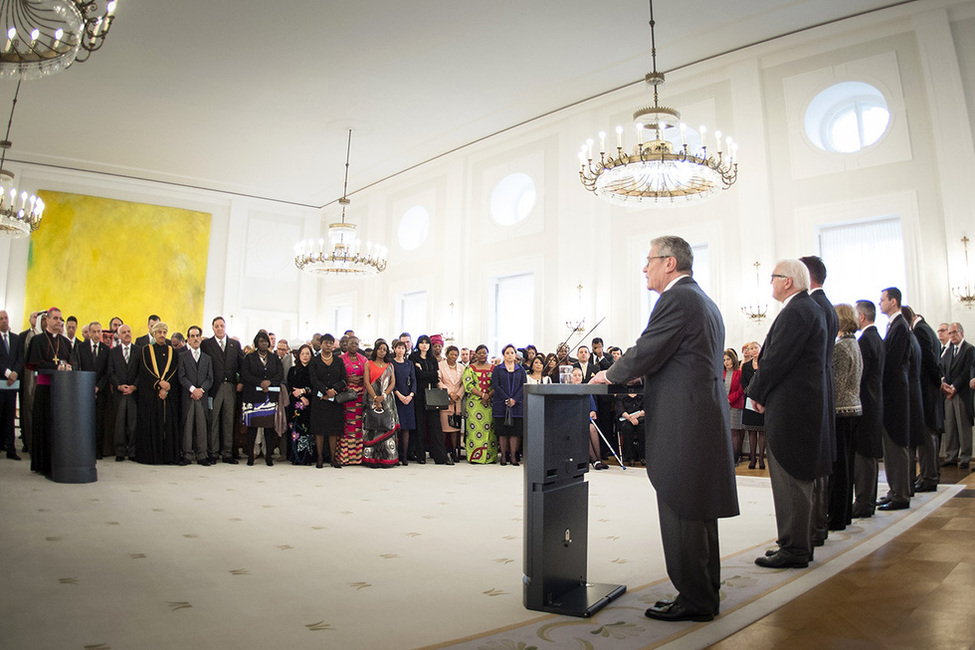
(255,96)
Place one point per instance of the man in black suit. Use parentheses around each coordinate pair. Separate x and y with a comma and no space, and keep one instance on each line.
(144,340)
(897,403)
(123,370)
(196,378)
(11,365)
(790,387)
(688,428)
(870,429)
(932,404)
(583,363)
(227,356)
(956,369)
(599,357)
(821,487)
(71,333)
(92,356)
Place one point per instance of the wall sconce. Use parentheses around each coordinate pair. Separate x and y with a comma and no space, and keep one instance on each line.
(758,311)
(448,335)
(577,324)
(964,293)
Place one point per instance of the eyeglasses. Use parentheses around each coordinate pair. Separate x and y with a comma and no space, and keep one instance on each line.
(776,275)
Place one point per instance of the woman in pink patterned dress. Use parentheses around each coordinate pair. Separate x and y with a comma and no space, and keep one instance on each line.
(350,444)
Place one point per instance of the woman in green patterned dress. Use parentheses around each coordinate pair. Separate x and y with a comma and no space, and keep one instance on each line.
(482,443)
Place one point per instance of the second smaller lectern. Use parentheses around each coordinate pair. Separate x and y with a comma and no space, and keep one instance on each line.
(557,502)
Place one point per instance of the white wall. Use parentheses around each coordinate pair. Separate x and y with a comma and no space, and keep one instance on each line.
(920,55)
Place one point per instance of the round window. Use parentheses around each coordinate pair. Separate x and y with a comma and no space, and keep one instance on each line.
(847,117)
(513,199)
(413,227)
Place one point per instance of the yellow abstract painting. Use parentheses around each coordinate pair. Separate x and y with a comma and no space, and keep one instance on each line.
(96,258)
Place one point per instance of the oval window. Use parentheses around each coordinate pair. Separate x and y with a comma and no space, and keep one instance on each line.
(847,117)
(513,199)
(413,228)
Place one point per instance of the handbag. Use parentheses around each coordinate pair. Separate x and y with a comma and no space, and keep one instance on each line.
(346,395)
(507,416)
(453,420)
(436,399)
(381,420)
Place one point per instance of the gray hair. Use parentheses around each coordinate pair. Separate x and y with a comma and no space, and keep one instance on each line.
(796,271)
(678,248)
(961,330)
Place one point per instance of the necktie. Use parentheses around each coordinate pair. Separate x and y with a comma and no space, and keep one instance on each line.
(222,343)
(125,353)
(6,343)
(94,350)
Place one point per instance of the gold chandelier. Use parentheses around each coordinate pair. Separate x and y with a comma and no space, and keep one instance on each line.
(20,213)
(343,254)
(658,173)
(46,36)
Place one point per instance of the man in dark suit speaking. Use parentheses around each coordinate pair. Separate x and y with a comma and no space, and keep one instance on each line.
(688,439)
(790,387)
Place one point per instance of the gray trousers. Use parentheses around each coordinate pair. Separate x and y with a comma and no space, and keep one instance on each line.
(865,473)
(222,418)
(927,456)
(125,419)
(195,428)
(692,558)
(897,466)
(793,502)
(958,432)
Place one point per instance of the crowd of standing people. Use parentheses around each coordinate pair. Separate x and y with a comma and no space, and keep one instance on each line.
(193,399)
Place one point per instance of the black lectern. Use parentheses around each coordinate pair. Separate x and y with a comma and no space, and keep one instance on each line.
(73,427)
(557,501)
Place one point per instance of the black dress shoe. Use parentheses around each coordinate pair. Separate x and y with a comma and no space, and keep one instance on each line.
(781,561)
(926,487)
(204,462)
(882,500)
(119,459)
(12,455)
(319,465)
(963,465)
(183,462)
(250,462)
(667,601)
(673,611)
(894,505)
(232,461)
(949,463)
(861,514)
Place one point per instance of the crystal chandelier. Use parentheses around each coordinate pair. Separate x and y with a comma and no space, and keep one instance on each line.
(20,214)
(655,174)
(46,36)
(343,253)
(964,294)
